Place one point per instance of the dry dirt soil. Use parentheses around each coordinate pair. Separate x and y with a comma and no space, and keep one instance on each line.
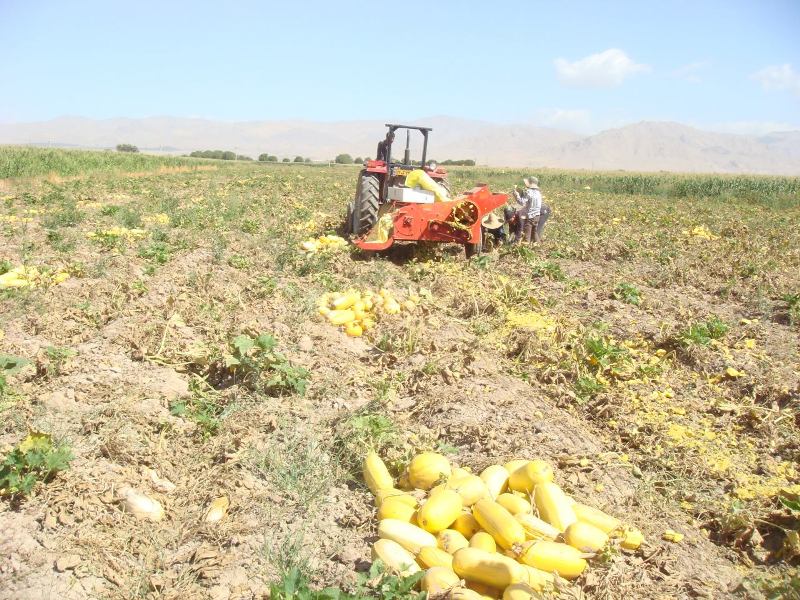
(648,349)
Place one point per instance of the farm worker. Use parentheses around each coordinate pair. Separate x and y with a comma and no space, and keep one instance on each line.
(529,207)
(383,146)
(494,226)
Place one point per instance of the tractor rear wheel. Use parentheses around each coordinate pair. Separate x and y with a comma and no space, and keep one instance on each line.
(364,213)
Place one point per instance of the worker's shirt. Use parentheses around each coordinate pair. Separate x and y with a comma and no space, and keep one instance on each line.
(530,203)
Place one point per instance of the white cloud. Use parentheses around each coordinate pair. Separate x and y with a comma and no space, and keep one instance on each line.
(604,69)
(692,71)
(780,78)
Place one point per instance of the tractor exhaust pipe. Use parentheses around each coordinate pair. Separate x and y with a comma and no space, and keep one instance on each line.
(407,155)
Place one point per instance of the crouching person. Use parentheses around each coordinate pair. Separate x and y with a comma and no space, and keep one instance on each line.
(493,226)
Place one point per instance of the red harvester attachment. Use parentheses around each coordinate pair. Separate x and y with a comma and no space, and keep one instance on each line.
(457,221)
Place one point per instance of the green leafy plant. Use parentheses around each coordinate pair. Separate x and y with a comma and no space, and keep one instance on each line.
(9,365)
(204,407)
(627,292)
(57,357)
(35,459)
(793,307)
(263,368)
(703,332)
(377,583)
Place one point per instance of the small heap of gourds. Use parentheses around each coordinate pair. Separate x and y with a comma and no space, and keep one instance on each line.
(357,312)
(507,532)
(30,277)
(322,243)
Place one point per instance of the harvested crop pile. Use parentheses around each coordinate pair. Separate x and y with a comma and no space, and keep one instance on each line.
(509,531)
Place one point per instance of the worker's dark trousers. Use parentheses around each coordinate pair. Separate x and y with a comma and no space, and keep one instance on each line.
(543,216)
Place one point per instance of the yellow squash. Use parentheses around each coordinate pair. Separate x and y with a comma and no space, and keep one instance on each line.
(463,593)
(451,541)
(514,504)
(438,580)
(512,465)
(376,475)
(483,541)
(499,523)
(439,511)
(496,479)
(385,493)
(466,525)
(395,508)
(531,474)
(471,488)
(553,557)
(536,578)
(518,591)
(396,558)
(585,537)
(434,557)
(341,317)
(409,536)
(553,505)
(487,592)
(536,529)
(489,568)
(588,514)
(427,469)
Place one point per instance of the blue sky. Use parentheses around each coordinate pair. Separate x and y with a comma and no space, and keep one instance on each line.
(728,65)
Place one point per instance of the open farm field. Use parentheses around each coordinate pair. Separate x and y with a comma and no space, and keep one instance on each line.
(168,342)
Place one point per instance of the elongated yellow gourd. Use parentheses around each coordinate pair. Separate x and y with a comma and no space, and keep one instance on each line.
(492,569)
(434,557)
(396,558)
(438,580)
(409,536)
(439,511)
(536,529)
(341,317)
(459,472)
(514,504)
(529,475)
(353,329)
(471,488)
(451,541)
(427,469)
(518,591)
(499,523)
(395,508)
(496,479)
(588,514)
(376,475)
(346,301)
(483,541)
(536,578)
(553,557)
(385,493)
(487,592)
(512,465)
(466,525)
(463,593)
(585,537)
(553,505)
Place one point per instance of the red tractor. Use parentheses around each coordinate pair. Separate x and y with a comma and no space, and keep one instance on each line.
(381,191)
(373,183)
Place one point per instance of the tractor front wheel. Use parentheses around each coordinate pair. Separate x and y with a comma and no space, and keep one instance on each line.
(364,213)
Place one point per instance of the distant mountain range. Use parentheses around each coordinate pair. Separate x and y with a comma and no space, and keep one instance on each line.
(645,146)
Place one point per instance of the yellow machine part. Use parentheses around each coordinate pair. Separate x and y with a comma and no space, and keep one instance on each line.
(419,178)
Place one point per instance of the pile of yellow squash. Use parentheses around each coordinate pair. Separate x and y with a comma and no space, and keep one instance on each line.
(507,532)
(356,311)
